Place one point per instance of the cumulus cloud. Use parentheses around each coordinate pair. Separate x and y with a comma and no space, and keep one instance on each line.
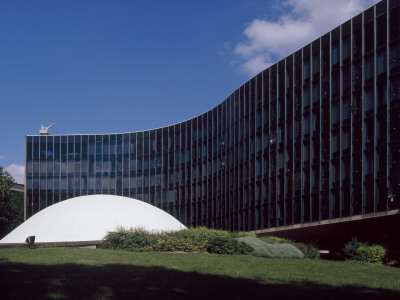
(268,41)
(17,172)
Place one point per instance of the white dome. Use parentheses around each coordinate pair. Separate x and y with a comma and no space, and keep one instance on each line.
(89,218)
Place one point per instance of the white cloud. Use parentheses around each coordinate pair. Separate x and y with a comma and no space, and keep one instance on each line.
(2,157)
(17,172)
(268,41)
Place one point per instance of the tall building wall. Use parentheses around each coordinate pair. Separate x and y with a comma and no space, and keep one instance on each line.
(315,136)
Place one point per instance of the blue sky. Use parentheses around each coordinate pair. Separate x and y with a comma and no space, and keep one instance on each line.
(123,66)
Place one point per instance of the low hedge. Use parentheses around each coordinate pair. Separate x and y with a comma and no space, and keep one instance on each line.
(227,245)
(198,239)
(138,240)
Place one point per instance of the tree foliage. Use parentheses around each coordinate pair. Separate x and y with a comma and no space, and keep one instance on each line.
(11,204)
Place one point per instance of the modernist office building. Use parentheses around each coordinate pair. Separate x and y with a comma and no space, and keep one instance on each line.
(314,137)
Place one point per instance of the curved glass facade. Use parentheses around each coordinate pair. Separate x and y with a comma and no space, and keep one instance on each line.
(315,136)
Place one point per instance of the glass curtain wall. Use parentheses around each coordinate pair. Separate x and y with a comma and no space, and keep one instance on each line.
(315,136)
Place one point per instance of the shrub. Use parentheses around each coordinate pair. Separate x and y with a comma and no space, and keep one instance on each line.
(351,250)
(170,242)
(309,250)
(273,239)
(115,239)
(200,235)
(372,254)
(137,239)
(198,239)
(193,239)
(360,251)
(277,250)
(227,245)
(239,234)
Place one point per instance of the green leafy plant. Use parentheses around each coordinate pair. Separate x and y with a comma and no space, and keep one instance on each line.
(361,251)
(351,250)
(372,254)
(227,245)
(239,234)
(138,240)
(309,250)
(11,204)
(273,239)
(114,239)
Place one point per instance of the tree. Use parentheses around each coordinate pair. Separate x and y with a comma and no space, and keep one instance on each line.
(17,210)
(11,204)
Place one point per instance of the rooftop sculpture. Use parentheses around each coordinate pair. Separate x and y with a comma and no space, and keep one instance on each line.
(45,130)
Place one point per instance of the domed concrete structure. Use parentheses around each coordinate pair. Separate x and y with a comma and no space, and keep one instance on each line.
(89,218)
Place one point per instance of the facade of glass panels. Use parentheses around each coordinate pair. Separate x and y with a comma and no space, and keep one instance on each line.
(314,137)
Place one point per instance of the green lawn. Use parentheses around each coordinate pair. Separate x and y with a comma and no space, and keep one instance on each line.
(73,273)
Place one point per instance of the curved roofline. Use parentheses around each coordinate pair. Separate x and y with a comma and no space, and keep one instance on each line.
(72,134)
(276,63)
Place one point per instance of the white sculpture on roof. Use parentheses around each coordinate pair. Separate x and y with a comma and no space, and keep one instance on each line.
(45,130)
(90,218)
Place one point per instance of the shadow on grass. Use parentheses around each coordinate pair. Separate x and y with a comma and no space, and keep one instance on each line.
(73,281)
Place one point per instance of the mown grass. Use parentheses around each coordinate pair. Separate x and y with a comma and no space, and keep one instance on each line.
(73,273)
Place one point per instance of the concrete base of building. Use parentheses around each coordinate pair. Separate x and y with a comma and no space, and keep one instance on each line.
(53,244)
